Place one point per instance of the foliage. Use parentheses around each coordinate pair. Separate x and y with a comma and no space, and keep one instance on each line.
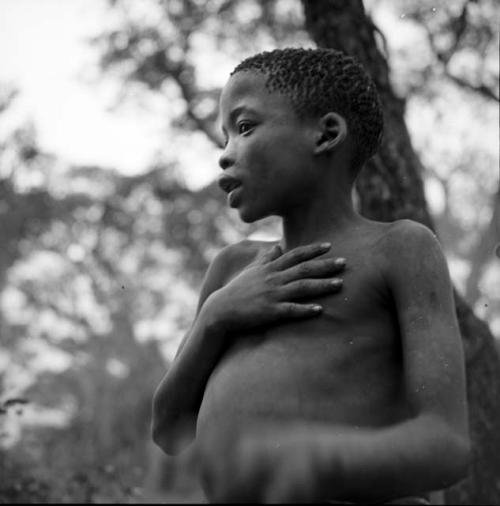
(101,275)
(448,63)
(101,271)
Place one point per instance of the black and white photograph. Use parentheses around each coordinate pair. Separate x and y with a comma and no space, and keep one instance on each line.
(250,252)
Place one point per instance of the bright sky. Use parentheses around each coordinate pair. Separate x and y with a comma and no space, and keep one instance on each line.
(44,53)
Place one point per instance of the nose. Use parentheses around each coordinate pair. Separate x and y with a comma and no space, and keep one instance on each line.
(226,160)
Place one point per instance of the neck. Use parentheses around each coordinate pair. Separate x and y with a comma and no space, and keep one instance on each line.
(324,217)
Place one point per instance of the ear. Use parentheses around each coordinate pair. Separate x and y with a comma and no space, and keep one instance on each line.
(332,132)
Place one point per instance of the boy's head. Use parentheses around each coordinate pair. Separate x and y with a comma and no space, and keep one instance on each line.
(318,81)
(280,110)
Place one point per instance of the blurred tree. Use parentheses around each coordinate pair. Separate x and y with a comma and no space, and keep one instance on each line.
(164,47)
(463,38)
(160,46)
(92,275)
(82,283)
(462,50)
(390,187)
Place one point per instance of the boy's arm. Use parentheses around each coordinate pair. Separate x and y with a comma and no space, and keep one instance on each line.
(427,452)
(169,431)
(433,362)
(430,451)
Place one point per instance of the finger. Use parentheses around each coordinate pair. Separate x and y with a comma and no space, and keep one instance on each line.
(282,490)
(248,471)
(300,254)
(290,486)
(295,310)
(309,288)
(271,254)
(313,269)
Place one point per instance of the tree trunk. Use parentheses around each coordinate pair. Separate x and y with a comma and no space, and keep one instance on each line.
(390,187)
(484,249)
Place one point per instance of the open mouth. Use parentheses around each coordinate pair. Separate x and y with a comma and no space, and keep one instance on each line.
(228,183)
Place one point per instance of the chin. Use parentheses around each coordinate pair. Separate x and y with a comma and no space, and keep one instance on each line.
(248,218)
(251,215)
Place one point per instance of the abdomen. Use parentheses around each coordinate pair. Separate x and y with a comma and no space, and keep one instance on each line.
(305,371)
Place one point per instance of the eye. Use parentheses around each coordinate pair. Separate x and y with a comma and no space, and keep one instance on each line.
(244,127)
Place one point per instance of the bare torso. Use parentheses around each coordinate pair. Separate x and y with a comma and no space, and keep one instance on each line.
(342,367)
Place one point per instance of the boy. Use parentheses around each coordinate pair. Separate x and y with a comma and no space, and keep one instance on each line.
(296,391)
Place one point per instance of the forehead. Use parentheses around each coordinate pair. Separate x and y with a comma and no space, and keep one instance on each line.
(248,89)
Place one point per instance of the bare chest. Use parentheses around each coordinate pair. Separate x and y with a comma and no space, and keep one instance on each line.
(342,366)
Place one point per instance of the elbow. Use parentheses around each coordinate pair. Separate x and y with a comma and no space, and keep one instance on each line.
(161,436)
(457,455)
(448,453)
(159,428)
(171,437)
(463,452)
(157,435)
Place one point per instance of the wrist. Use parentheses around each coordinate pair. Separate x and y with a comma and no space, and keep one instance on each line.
(329,466)
(212,316)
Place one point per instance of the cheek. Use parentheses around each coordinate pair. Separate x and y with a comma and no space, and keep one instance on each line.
(270,153)
(274,161)
(259,160)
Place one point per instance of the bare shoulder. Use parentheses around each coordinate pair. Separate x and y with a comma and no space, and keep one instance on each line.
(414,264)
(411,243)
(408,233)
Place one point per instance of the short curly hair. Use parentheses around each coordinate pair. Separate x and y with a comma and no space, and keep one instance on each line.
(320,80)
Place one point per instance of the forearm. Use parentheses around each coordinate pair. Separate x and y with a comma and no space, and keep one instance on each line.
(177,399)
(417,456)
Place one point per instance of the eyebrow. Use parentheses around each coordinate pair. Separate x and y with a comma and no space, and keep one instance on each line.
(236,112)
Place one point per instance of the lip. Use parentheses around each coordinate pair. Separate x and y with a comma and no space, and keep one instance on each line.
(228,183)
(234,196)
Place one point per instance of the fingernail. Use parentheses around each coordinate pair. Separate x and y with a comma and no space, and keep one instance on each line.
(317,308)
(336,282)
(340,261)
(325,244)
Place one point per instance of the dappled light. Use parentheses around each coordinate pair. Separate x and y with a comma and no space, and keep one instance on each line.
(100,270)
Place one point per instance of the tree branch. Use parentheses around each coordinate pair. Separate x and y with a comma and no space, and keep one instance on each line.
(482,89)
(458,28)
